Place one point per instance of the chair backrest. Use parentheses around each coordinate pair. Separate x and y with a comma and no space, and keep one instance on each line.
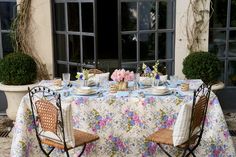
(95,71)
(47,115)
(199,110)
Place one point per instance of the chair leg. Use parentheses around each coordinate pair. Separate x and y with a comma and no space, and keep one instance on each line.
(67,153)
(191,152)
(164,150)
(185,151)
(82,150)
(51,151)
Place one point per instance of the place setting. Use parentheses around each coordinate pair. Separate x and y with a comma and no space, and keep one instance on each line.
(158,91)
(84,91)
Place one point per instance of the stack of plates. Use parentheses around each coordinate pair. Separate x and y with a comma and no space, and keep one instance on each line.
(85,91)
(160,90)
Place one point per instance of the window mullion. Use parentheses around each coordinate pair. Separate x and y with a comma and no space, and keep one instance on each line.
(81,37)
(156,31)
(1,49)
(138,34)
(67,37)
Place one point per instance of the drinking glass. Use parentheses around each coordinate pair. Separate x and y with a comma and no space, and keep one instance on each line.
(66,78)
(173,81)
(104,84)
(155,82)
(136,81)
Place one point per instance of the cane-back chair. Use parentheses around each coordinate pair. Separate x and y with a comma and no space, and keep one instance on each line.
(95,71)
(198,115)
(48,117)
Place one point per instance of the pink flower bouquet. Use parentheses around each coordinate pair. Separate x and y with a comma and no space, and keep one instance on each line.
(120,75)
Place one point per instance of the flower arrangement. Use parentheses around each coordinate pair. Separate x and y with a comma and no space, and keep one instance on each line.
(84,75)
(121,75)
(147,72)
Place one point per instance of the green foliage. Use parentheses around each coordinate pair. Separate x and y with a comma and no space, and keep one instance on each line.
(202,65)
(18,69)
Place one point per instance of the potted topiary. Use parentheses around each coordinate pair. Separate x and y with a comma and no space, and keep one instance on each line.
(203,65)
(18,72)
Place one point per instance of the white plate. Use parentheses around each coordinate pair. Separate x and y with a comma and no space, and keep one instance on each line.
(56,88)
(150,92)
(85,94)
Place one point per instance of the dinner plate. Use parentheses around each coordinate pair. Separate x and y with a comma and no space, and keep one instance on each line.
(56,88)
(150,92)
(84,93)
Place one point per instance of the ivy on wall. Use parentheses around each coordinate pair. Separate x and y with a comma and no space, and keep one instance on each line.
(22,36)
(198,16)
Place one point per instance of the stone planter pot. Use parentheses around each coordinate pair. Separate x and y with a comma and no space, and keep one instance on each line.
(14,94)
(218,86)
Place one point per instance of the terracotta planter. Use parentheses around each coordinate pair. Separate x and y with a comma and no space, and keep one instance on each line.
(14,95)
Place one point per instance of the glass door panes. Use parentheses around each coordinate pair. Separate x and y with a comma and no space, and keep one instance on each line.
(217,43)
(87,17)
(222,38)
(147,15)
(74,48)
(232,44)
(219,17)
(165,47)
(75,36)
(146,32)
(129,16)
(125,34)
(60,47)
(7,10)
(59,12)
(233,14)
(129,47)
(166,14)
(73,20)
(147,46)
(232,72)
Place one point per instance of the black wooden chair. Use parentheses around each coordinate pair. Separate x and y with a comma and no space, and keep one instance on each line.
(198,115)
(48,117)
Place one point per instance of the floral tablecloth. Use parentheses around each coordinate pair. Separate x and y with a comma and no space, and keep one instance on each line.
(122,122)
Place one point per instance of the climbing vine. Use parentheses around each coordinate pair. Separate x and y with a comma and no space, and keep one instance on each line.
(22,39)
(198,16)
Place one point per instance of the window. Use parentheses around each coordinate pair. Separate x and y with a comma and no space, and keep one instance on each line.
(75,35)
(146,32)
(7,10)
(89,34)
(222,38)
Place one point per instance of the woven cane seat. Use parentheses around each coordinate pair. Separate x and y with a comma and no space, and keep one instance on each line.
(81,138)
(164,136)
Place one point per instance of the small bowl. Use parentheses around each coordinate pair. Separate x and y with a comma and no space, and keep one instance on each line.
(84,89)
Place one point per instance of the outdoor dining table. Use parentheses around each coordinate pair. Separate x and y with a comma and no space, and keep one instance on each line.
(122,120)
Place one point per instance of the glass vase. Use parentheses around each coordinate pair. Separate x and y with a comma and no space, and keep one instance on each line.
(122,85)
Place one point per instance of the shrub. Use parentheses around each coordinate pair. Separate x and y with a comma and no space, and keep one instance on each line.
(18,69)
(202,65)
